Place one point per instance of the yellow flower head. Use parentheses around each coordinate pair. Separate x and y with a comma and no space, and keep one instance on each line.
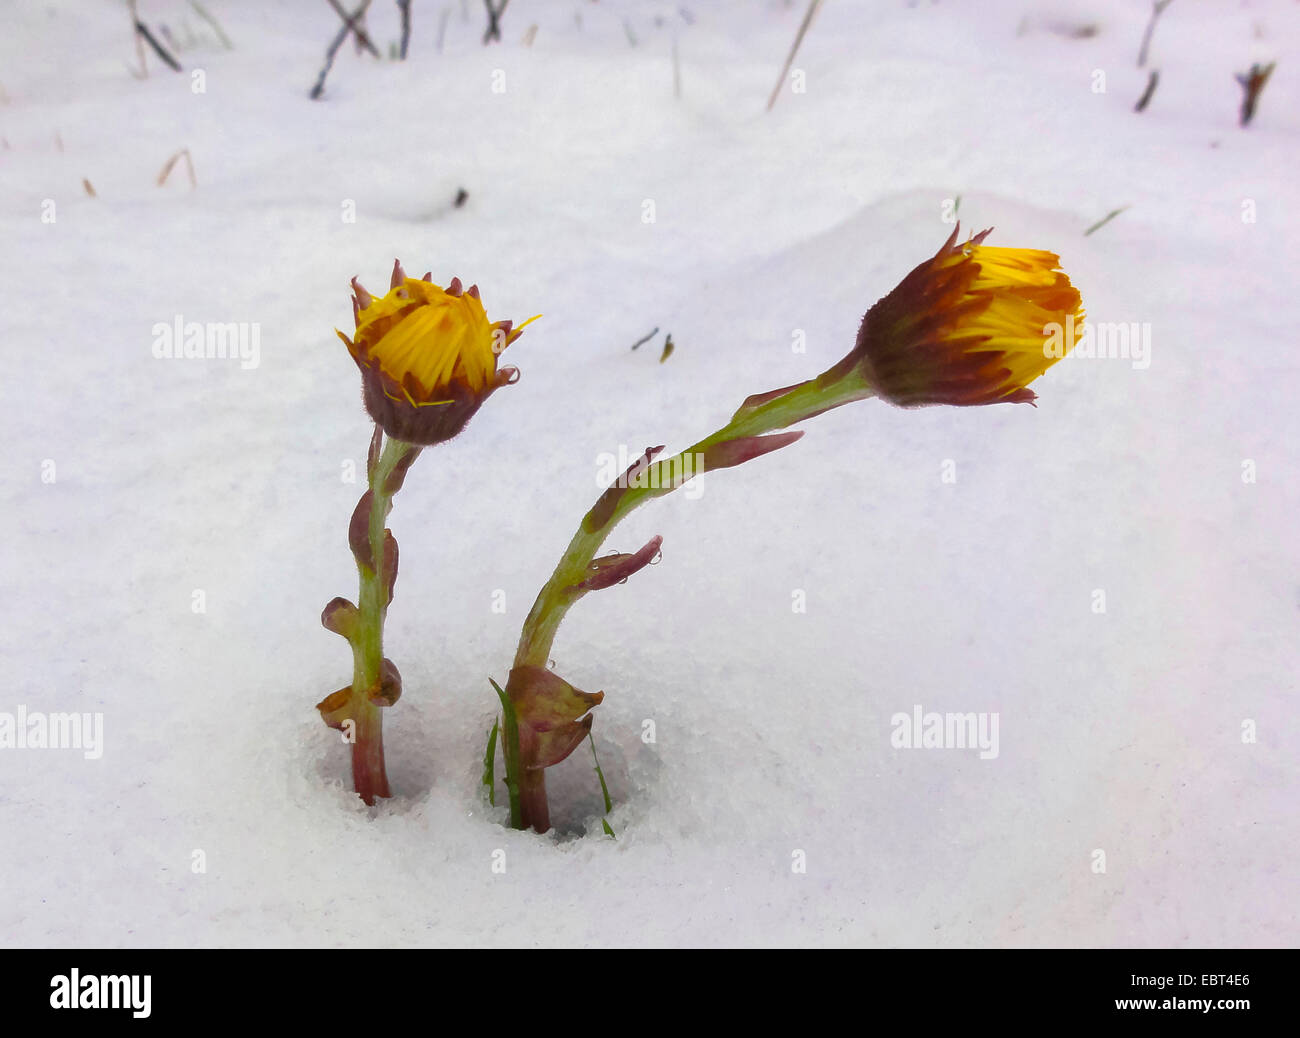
(970,326)
(428,356)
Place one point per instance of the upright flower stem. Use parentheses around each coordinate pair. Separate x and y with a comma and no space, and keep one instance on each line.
(368,771)
(764,413)
(428,359)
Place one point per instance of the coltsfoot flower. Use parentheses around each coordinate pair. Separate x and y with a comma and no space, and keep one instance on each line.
(428,360)
(967,327)
(427,355)
(974,324)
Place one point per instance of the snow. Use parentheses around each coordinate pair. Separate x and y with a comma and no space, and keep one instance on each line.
(1119,731)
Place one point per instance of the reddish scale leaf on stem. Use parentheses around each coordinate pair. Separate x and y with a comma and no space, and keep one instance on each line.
(398,476)
(390,562)
(758,399)
(390,685)
(614,569)
(341,617)
(359,531)
(336,707)
(603,510)
(730,453)
(372,455)
(548,709)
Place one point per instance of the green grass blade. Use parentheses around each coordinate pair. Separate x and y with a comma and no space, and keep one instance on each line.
(490,764)
(510,751)
(604,789)
(1105,220)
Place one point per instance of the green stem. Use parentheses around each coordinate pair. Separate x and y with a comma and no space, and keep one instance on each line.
(369,775)
(839,385)
(534,809)
(833,388)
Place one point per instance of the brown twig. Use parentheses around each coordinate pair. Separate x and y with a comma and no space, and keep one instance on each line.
(203,13)
(1145,99)
(1253,83)
(170,164)
(343,33)
(158,48)
(353,23)
(139,42)
(494,20)
(1157,7)
(794,48)
(405,7)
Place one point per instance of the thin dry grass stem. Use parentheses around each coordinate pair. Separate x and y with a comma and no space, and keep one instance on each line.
(813,5)
(170,164)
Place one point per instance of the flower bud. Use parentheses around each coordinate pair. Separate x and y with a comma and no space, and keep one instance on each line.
(427,355)
(969,326)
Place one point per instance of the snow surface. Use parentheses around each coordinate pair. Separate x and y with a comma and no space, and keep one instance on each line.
(1119,732)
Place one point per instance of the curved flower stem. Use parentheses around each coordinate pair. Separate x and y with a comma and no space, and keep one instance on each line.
(767,415)
(759,414)
(369,775)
